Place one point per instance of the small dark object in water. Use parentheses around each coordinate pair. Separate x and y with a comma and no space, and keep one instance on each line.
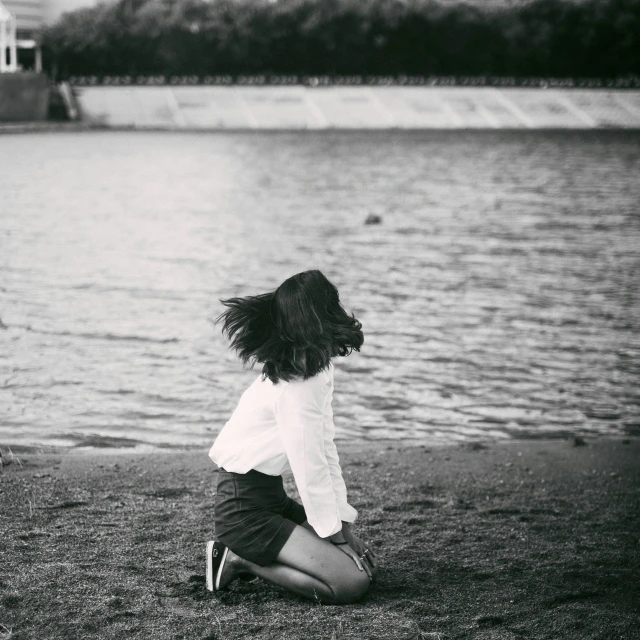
(3,325)
(372,218)
(489,621)
(579,441)
(69,504)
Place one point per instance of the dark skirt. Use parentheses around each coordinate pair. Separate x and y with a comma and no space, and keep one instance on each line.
(253,515)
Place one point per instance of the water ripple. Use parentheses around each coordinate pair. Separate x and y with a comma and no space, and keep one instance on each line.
(498,297)
(97,336)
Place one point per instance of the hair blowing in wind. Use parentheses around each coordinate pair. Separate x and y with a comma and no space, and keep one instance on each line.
(295,330)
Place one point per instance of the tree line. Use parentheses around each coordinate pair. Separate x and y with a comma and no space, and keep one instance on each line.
(544,38)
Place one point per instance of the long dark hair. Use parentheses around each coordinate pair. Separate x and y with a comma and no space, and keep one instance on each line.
(294,330)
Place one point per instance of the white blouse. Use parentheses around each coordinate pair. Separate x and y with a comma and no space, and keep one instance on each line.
(288,426)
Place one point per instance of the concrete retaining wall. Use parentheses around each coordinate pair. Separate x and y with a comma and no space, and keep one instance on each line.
(24,97)
(300,107)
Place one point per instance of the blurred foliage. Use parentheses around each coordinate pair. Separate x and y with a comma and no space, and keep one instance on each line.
(551,38)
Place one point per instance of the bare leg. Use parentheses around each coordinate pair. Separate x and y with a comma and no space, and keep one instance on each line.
(280,574)
(308,527)
(307,565)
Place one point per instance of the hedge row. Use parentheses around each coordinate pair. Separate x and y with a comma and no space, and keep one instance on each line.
(542,38)
(626,82)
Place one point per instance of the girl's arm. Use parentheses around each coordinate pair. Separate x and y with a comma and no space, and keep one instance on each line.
(347,512)
(300,419)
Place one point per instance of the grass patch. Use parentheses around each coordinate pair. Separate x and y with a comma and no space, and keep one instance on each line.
(473,543)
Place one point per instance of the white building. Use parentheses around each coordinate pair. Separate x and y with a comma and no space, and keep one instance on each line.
(30,17)
(8,44)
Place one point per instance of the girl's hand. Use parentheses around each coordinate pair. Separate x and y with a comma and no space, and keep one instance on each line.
(364,553)
(360,562)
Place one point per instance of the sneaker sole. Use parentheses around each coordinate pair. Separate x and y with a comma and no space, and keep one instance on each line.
(219,573)
(210,565)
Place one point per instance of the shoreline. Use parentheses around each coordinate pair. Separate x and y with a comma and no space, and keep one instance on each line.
(503,540)
(45,127)
(87,127)
(348,445)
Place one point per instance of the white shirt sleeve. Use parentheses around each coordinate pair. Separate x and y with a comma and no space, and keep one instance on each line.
(347,512)
(299,412)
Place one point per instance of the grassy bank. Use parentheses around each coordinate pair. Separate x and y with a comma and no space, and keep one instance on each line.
(535,539)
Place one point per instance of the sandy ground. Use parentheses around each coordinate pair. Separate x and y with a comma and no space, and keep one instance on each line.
(520,539)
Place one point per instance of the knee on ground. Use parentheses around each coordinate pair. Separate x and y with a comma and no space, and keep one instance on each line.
(351,588)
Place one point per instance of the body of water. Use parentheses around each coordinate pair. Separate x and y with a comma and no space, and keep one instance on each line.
(499,296)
